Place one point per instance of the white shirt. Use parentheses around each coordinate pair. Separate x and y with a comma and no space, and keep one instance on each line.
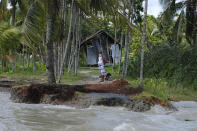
(100,60)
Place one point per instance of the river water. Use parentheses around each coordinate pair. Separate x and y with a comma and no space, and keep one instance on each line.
(29,117)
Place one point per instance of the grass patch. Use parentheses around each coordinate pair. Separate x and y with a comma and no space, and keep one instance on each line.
(67,78)
(70,79)
(22,75)
(165,91)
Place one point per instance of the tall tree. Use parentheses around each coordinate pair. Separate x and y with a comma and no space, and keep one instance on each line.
(13,4)
(143,43)
(51,17)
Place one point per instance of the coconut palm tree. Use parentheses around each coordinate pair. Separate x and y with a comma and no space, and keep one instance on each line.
(143,43)
(188,15)
(13,4)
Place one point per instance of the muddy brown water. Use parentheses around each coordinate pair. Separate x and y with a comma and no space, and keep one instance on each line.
(40,117)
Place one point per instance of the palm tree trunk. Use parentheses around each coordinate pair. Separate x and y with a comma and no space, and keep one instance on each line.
(49,41)
(74,32)
(125,55)
(55,58)
(143,43)
(3,60)
(114,60)
(126,61)
(194,23)
(72,52)
(121,43)
(78,45)
(23,56)
(34,62)
(13,3)
(67,43)
(3,10)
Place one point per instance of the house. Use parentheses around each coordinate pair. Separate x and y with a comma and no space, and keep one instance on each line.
(101,41)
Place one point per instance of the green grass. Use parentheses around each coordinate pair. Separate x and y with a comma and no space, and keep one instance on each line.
(67,78)
(70,79)
(163,90)
(24,75)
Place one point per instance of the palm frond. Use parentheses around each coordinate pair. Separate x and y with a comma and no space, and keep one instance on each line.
(9,37)
(178,28)
(35,24)
(24,5)
(171,10)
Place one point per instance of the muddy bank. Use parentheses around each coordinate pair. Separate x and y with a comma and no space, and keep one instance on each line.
(117,93)
(70,95)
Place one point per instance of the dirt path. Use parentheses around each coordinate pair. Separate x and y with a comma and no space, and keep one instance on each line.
(91,78)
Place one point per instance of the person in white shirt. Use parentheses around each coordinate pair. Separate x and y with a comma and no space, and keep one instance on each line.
(101,67)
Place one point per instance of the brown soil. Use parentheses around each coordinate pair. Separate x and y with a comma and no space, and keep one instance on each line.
(119,86)
(7,83)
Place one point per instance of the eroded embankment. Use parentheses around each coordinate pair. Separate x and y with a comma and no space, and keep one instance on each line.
(115,94)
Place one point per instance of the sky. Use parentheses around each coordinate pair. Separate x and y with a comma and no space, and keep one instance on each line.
(154,7)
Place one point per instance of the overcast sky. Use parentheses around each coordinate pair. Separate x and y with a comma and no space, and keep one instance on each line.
(154,7)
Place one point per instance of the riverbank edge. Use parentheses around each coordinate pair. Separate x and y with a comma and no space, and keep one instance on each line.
(77,96)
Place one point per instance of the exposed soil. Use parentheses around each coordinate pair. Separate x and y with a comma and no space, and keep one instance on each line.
(69,95)
(7,83)
(119,86)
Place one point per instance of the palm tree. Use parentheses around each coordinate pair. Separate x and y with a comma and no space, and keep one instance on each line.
(171,9)
(52,10)
(34,23)
(13,4)
(143,42)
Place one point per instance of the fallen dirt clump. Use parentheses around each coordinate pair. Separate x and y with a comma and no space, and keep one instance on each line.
(156,101)
(119,86)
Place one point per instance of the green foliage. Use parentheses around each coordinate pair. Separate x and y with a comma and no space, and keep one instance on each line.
(39,67)
(157,88)
(9,38)
(175,64)
(162,89)
(35,24)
